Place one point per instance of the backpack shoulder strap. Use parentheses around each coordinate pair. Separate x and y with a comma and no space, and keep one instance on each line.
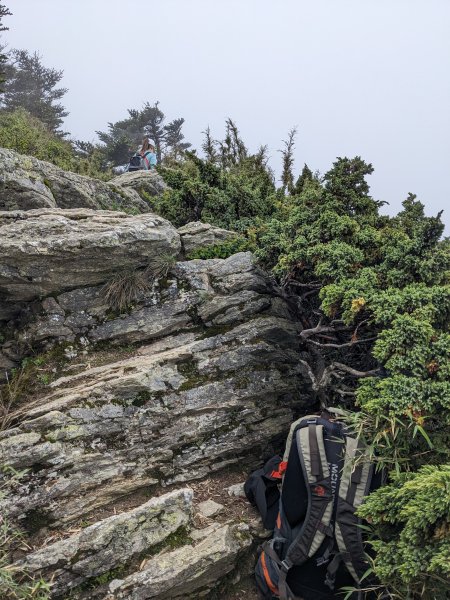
(313,458)
(317,523)
(146,161)
(355,483)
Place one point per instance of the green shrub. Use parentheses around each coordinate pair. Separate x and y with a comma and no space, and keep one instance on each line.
(411,518)
(375,300)
(27,135)
(234,198)
(224,250)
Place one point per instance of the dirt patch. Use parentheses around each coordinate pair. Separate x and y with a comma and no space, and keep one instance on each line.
(213,487)
(243,590)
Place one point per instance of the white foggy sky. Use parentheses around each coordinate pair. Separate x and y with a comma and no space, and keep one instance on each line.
(358,77)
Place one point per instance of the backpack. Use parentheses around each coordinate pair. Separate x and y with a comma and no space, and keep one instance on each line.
(317,545)
(136,163)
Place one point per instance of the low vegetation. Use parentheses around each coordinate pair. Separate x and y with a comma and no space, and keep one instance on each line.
(15,582)
(373,296)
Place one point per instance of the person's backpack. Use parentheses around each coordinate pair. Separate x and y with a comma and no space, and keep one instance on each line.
(317,545)
(136,163)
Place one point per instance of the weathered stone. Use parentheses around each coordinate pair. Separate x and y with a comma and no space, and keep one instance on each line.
(28,183)
(51,250)
(167,414)
(197,235)
(218,382)
(209,508)
(146,183)
(186,570)
(114,541)
(236,490)
(189,297)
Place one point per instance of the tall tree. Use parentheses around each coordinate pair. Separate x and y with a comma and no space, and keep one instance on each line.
(209,146)
(305,176)
(123,137)
(287,177)
(174,139)
(4,12)
(32,86)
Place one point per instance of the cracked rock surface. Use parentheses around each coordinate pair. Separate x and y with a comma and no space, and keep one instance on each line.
(111,542)
(29,183)
(199,375)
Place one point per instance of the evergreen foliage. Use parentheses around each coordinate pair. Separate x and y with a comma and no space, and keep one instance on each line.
(201,191)
(4,12)
(413,543)
(32,86)
(287,176)
(124,137)
(373,293)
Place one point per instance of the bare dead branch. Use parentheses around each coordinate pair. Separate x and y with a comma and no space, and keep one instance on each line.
(354,372)
(344,345)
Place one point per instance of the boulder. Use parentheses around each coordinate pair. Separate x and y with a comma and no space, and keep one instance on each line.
(48,251)
(147,184)
(28,183)
(197,235)
(192,295)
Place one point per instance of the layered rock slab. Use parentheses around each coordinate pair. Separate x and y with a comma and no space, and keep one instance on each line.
(192,569)
(29,183)
(197,235)
(165,415)
(48,251)
(111,542)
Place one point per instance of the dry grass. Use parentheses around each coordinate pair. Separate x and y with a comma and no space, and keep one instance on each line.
(125,288)
(159,266)
(12,394)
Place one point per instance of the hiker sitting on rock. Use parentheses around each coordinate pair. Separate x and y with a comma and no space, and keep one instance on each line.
(148,154)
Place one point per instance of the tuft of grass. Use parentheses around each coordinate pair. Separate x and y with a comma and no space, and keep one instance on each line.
(160,266)
(22,383)
(11,395)
(125,288)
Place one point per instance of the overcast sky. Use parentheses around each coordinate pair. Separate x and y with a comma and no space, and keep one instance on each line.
(358,77)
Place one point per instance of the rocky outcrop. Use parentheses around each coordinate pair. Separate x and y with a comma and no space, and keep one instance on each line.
(197,375)
(198,235)
(28,183)
(48,251)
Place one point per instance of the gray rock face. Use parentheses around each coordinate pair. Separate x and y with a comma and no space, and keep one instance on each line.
(194,294)
(111,542)
(28,183)
(187,404)
(197,235)
(199,373)
(189,569)
(146,183)
(176,411)
(48,251)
